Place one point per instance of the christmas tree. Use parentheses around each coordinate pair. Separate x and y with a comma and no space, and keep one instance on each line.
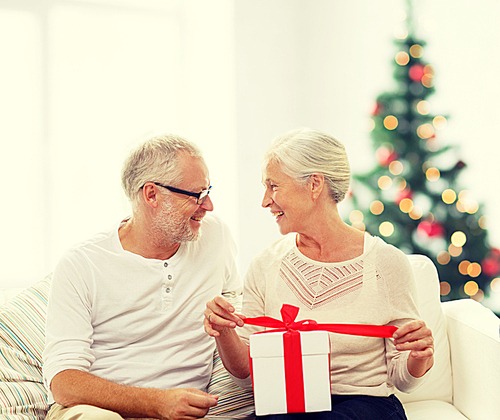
(412,197)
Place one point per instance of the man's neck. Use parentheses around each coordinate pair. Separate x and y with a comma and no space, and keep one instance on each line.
(137,238)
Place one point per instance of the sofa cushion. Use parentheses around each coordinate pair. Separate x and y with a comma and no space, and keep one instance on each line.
(234,402)
(438,385)
(430,410)
(22,338)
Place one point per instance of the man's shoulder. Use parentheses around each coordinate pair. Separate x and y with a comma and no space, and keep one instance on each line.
(97,242)
(214,225)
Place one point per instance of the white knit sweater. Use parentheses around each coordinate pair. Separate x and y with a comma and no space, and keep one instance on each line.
(375,288)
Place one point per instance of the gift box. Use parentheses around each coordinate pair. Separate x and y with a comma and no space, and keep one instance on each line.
(290,372)
(290,365)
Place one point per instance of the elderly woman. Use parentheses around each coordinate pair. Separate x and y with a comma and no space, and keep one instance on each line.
(335,274)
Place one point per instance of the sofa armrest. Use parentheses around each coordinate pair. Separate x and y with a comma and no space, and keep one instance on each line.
(473,332)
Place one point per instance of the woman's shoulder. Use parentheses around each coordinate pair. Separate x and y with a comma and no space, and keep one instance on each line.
(275,252)
(387,257)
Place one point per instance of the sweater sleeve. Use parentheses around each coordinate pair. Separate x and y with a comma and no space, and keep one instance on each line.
(402,298)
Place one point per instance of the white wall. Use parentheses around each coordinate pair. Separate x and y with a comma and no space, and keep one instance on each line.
(227,74)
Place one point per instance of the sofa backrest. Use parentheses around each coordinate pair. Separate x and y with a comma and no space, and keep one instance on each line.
(438,385)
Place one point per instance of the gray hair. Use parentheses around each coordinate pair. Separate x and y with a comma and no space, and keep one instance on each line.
(155,160)
(303,152)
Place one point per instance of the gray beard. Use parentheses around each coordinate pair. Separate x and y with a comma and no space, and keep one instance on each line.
(170,227)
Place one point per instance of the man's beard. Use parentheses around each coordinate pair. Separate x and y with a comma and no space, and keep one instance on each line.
(171,227)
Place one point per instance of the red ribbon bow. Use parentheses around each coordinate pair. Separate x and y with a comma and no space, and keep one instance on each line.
(289,313)
(292,346)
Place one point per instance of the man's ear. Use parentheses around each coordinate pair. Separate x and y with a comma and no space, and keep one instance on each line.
(316,184)
(150,194)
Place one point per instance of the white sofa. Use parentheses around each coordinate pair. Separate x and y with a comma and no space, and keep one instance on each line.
(463,384)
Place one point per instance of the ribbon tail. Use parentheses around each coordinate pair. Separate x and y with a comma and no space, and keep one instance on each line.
(264,321)
(381,331)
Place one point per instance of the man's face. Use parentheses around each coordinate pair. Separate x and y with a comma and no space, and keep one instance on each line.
(179,217)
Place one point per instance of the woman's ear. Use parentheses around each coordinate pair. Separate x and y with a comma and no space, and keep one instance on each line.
(316,183)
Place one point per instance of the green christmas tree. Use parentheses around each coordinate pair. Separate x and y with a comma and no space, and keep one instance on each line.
(412,197)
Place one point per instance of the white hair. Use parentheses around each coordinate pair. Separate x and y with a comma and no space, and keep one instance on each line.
(304,151)
(155,160)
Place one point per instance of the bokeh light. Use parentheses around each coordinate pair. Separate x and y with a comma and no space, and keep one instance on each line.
(377,207)
(424,107)
(454,251)
(406,205)
(458,239)
(386,228)
(428,81)
(466,203)
(390,122)
(471,288)
(384,182)
(495,285)
(425,131)
(443,258)
(402,58)
(416,51)
(416,213)
(439,122)
(463,266)
(449,196)
(356,216)
(444,288)
(474,269)
(395,167)
(432,174)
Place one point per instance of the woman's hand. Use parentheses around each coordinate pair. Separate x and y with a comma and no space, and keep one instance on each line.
(416,337)
(220,316)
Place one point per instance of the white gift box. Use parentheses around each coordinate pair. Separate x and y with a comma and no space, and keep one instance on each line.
(307,391)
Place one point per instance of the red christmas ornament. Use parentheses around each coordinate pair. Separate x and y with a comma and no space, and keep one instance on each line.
(416,72)
(377,109)
(490,266)
(385,156)
(431,229)
(401,195)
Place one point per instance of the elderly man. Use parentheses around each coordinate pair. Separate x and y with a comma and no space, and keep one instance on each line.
(124,328)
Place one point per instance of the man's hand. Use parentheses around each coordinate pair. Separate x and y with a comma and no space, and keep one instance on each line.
(220,315)
(416,337)
(185,404)
(73,387)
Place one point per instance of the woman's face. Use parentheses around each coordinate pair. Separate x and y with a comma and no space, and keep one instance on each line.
(289,202)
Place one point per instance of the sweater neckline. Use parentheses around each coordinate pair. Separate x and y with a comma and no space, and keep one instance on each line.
(368,245)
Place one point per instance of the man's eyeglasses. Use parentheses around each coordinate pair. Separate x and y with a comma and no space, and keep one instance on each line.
(200,197)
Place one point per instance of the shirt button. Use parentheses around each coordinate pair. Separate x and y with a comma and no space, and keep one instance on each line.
(167,290)
(170,277)
(165,264)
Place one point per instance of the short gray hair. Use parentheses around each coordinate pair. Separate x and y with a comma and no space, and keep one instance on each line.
(155,160)
(304,151)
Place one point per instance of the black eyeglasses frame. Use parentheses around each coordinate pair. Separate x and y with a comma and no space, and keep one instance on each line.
(200,197)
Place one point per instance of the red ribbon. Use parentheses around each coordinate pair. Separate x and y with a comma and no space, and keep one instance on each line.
(292,348)
(289,313)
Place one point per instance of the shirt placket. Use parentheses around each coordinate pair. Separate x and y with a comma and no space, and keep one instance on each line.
(167,286)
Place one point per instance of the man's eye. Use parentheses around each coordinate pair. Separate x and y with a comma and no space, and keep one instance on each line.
(273,186)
